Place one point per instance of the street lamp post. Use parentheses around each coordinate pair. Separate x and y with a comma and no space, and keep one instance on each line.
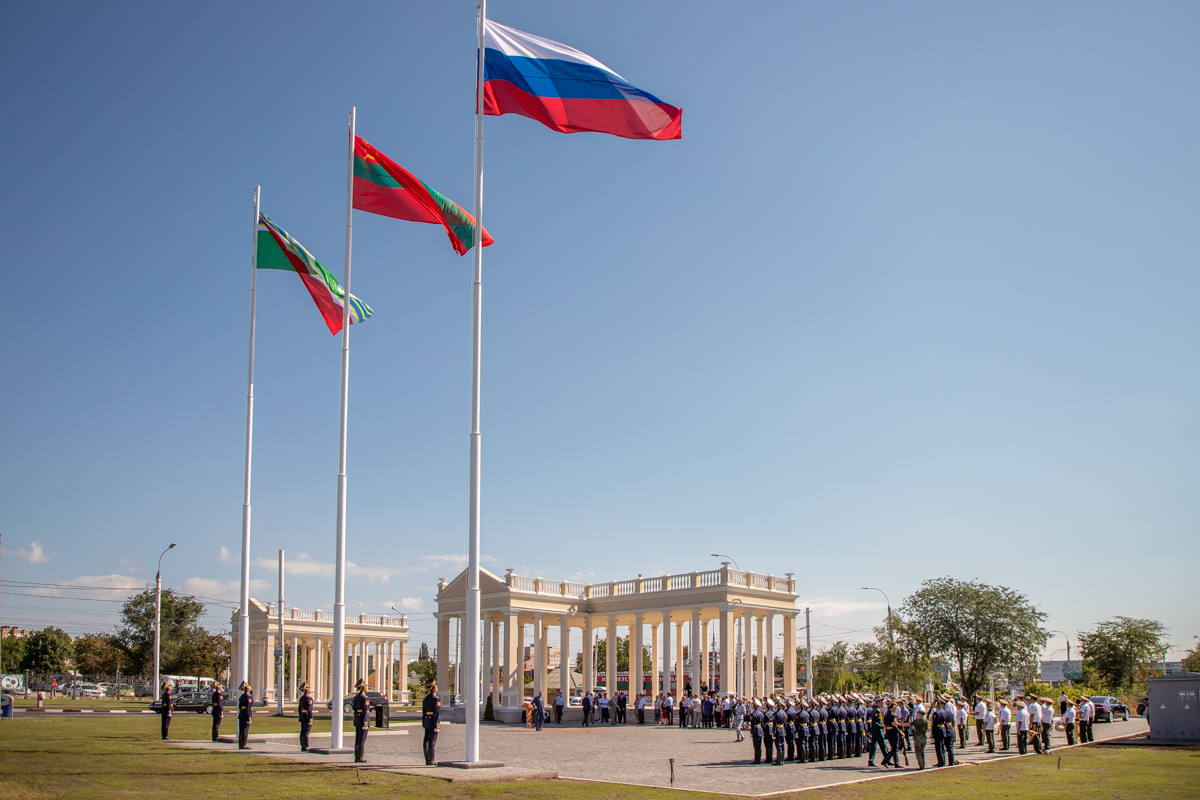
(158,616)
(891,637)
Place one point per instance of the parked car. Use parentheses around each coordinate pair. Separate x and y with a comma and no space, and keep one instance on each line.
(82,690)
(200,702)
(376,698)
(1109,708)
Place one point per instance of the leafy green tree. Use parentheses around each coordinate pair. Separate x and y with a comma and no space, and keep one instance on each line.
(98,654)
(1121,650)
(183,644)
(977,627)
(831,672)
(1191,662)
(419,671)
(622,656)
(423,653)
(48,651)
(12,653)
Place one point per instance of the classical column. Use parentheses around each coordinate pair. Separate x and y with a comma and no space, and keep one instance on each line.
(759,675)
(726,637)
(539,657)
(635,660)
(510,696)
(405,695)
(680,677)
(789,654)
(655,687)
(443,659)
(564,658)
(666,653)
(364,664)
(610,662)
(589,678)
(705,667)
(769,652)
(747,662)
(695,651)
(486,663)
(317,675)
(295,670)
(497,687)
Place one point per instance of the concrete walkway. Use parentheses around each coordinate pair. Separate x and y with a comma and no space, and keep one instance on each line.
(706,760)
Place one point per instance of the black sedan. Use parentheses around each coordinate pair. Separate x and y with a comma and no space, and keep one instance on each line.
(376,698)
(200,702)
(1109,708)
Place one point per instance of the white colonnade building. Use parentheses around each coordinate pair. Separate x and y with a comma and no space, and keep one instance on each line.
(735,610)
(375,645)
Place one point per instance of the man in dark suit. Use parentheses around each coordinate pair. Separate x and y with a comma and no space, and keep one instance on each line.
(361,705)
(304,711)
(936,731)
(245,714)
(587,708)
(538,710)
(431,708)
(218,710)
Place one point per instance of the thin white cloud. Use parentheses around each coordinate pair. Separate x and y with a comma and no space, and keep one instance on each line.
(227,558)
(34,554)
(834,607)
(405,604)
(224,590)
(456,560)
(305,565)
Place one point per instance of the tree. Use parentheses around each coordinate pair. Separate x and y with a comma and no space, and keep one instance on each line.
(830,670)
(1120,650)
(1191,662)
(182,638)
(12,653)
(977,627)
(423,653)
(207,656)
(48,651)
(98,654)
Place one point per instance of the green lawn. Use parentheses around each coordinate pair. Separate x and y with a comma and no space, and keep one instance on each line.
(89,757)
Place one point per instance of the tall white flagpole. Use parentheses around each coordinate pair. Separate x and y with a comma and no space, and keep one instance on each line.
(243,654)
(471,640)
(339,591)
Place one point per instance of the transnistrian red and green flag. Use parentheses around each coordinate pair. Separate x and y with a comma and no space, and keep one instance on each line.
(381,186)
(278,250)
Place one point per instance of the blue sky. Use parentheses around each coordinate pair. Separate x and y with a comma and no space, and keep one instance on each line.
(914,296)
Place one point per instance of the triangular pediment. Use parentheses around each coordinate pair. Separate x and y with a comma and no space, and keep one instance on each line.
(489,583)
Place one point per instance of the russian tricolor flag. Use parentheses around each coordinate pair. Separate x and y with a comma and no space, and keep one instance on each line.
(567,90)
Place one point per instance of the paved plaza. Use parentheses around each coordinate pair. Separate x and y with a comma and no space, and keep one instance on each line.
(706,759)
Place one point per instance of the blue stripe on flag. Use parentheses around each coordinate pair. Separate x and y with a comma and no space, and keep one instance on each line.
(569,80)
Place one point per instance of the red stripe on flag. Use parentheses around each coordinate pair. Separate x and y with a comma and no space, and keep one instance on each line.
(631,120)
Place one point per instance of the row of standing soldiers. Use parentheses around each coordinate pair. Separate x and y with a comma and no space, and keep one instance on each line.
(826,728)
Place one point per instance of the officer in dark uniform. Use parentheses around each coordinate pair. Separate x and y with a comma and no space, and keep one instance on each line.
(948,732)
(842,716)
(831,729)
(802,737)
(768,731)
(875,724)
(431,708)
(218,710)
(757,719)
(361,706)
(936,731)
(861,745)
(789,732)
(245,714)
(166,709)
(304,711)
(780,731)
(820,717)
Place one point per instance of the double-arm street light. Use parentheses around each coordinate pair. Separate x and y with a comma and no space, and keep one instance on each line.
(158,615)
(891,637)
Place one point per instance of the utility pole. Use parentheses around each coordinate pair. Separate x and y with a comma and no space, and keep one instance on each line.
(808,651)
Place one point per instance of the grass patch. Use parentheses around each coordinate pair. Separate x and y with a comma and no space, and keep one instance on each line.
(1098,771)
(85,757)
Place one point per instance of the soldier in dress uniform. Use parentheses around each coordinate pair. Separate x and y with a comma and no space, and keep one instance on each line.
(769,731)
(431,709)
(757,720)
(818,716)
(780,731)
(948,731)
(218,710)
(860,741)
(802,731)
(789,732)
(831,731)
(936,733)
(843,716)
(304,711)
(166,709)
(875,723)
(245,714)
(361,706)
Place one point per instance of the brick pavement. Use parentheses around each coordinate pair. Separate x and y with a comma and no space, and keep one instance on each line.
(705,759)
